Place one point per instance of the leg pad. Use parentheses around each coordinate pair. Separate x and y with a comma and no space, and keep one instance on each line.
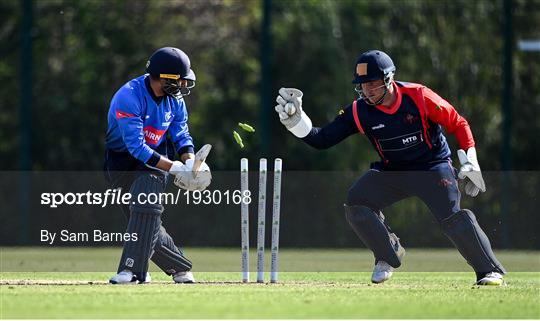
(369,226)
(463,230)
(145,222)
(168,256)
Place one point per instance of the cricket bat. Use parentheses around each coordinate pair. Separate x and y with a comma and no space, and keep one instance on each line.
(200,157)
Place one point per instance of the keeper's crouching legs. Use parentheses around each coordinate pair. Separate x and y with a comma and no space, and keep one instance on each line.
(463,230)
(370,227)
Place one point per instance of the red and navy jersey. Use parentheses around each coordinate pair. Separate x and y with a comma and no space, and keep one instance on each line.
(405,135)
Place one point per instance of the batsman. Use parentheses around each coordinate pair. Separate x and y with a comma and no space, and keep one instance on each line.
(404,122)
(147,126)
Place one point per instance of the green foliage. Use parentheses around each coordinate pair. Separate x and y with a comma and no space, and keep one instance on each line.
(83,51)
(10,91)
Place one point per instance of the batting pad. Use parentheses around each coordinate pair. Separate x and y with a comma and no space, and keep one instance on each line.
(145,222)
(167,256)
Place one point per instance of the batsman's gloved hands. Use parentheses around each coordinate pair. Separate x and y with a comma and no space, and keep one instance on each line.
(291,115)
(187,179)
(178,167)
(470,172)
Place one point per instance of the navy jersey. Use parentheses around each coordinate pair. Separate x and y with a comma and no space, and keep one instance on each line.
(138,123)
(407,134)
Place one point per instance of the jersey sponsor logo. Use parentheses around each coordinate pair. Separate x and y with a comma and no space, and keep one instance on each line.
(401,142)
(152,135)
(122,114)
(378,126)
(409,140)
(168,116)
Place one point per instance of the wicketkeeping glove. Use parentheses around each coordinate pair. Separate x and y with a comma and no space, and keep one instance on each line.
(470,172)
(291,115)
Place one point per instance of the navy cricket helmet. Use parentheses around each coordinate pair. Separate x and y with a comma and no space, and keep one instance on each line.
(172,64)
(373,65)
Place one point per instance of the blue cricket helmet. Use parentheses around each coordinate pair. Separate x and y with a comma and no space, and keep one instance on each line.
(170,63)
(373,65)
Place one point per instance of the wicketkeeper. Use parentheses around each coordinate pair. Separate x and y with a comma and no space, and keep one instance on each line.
(404,122)
(147,125)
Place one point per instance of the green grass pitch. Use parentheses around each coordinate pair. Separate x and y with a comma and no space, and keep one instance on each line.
(327,284)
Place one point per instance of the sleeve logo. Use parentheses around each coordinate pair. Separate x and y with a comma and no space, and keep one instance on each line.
(122,114)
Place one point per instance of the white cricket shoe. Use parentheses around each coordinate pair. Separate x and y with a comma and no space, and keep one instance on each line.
(492,278)
(127,277)
(148,278)
(382,272)
(184,277)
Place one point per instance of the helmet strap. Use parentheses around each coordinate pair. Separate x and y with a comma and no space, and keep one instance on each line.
(380,100)
(365,98)
(387,84)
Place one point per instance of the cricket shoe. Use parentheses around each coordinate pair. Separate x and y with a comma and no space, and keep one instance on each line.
(382,272)
(127,277)
(492,278)
(183,277)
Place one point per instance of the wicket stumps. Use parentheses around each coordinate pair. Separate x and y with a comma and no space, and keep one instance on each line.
(275,221)
(261,220)
(244,186)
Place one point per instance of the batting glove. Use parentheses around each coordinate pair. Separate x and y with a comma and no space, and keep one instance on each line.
(188,180)
(178,167)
